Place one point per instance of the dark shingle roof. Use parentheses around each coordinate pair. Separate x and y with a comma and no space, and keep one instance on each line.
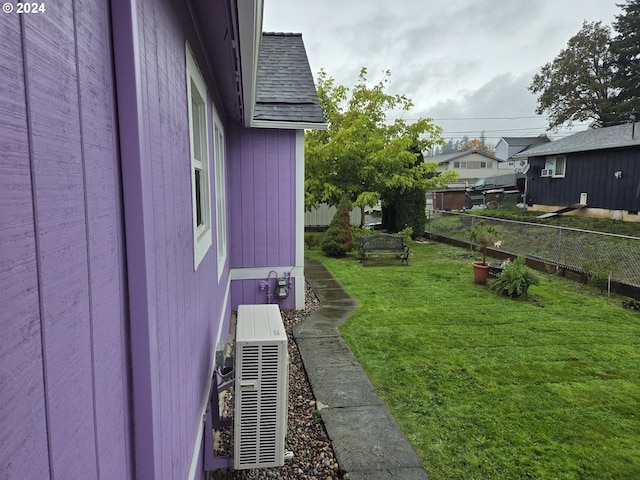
(285,90)
(593,139)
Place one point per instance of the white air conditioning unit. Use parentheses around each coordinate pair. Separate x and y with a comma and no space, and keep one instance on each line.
(261,387)
(546,172)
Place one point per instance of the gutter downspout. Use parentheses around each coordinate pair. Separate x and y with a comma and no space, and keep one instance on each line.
(138,218)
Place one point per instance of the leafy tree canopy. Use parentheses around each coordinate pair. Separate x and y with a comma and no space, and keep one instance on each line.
(478,145)
(361,154)
(578,84)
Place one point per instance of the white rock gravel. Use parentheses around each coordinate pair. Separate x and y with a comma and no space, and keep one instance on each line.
(314,458)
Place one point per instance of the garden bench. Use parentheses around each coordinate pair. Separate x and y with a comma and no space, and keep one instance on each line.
(384,244)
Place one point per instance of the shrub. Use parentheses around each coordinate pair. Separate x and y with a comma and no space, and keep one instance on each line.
(311,240)
(598,270)
(515,279)
(357,232)
(337,240)
(631,305)
(484,235)
(407,233)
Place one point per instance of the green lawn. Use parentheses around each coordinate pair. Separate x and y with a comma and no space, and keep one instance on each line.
(491,388)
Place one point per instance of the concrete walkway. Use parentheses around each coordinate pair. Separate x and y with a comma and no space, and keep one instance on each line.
(367,441)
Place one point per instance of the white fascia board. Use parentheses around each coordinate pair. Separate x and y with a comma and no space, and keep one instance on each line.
(260,273)
(250,32)
(280,125)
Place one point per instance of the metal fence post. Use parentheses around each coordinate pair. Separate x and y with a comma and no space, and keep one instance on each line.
(559,249)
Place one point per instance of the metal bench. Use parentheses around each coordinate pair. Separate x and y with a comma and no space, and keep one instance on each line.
(384,244)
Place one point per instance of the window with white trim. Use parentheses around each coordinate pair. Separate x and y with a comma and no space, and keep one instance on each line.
(557,165)
(221,197)
(199,152)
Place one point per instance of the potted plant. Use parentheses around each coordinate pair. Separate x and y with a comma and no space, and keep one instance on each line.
(483,235)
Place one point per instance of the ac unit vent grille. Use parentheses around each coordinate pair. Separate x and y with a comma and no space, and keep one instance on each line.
(261,387)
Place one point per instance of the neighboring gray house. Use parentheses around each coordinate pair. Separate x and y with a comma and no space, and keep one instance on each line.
(507,147)
(597,170)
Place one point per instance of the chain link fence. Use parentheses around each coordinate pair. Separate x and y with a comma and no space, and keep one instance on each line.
(597,254)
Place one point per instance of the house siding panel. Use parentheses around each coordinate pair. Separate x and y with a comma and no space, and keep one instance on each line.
(262,175)
(592,173)
(23,444)
(190,305)
(70,410)
(262,179)
(63,263)
(105,237)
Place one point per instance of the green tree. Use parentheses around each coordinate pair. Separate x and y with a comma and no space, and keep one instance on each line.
(361,154)
(338,240)
(406,207)
(478,145)
(625,48)
(448,147)
(578,84)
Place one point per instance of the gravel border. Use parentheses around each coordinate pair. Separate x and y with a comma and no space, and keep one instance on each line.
(314,458)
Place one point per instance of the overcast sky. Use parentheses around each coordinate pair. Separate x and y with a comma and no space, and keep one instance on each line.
(456,59)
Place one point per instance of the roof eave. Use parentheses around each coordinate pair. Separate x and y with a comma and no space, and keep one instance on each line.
(284,125)
(250,32)
(529,153)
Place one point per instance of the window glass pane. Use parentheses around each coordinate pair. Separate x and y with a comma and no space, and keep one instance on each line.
(198,186)
(551,161)
(560,162)
(199,160)
(221,218)
(198,121)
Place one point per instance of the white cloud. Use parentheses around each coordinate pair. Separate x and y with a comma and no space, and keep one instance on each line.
(453,58)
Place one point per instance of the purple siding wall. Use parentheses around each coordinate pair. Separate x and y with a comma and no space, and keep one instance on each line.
(262,177)
(176,312)
(64,394)
(262,204)
(23,444)
(108,332)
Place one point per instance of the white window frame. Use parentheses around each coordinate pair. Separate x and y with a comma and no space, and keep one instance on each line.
(220,194)
(200,177)
(552,162)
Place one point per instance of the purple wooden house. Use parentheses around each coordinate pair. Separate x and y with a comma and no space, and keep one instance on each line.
(151,180)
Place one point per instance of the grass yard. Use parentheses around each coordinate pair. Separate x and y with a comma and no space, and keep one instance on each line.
(486,387)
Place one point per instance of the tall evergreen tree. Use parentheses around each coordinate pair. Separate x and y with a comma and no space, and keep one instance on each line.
(405,207)
(448,147)
(625,48)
